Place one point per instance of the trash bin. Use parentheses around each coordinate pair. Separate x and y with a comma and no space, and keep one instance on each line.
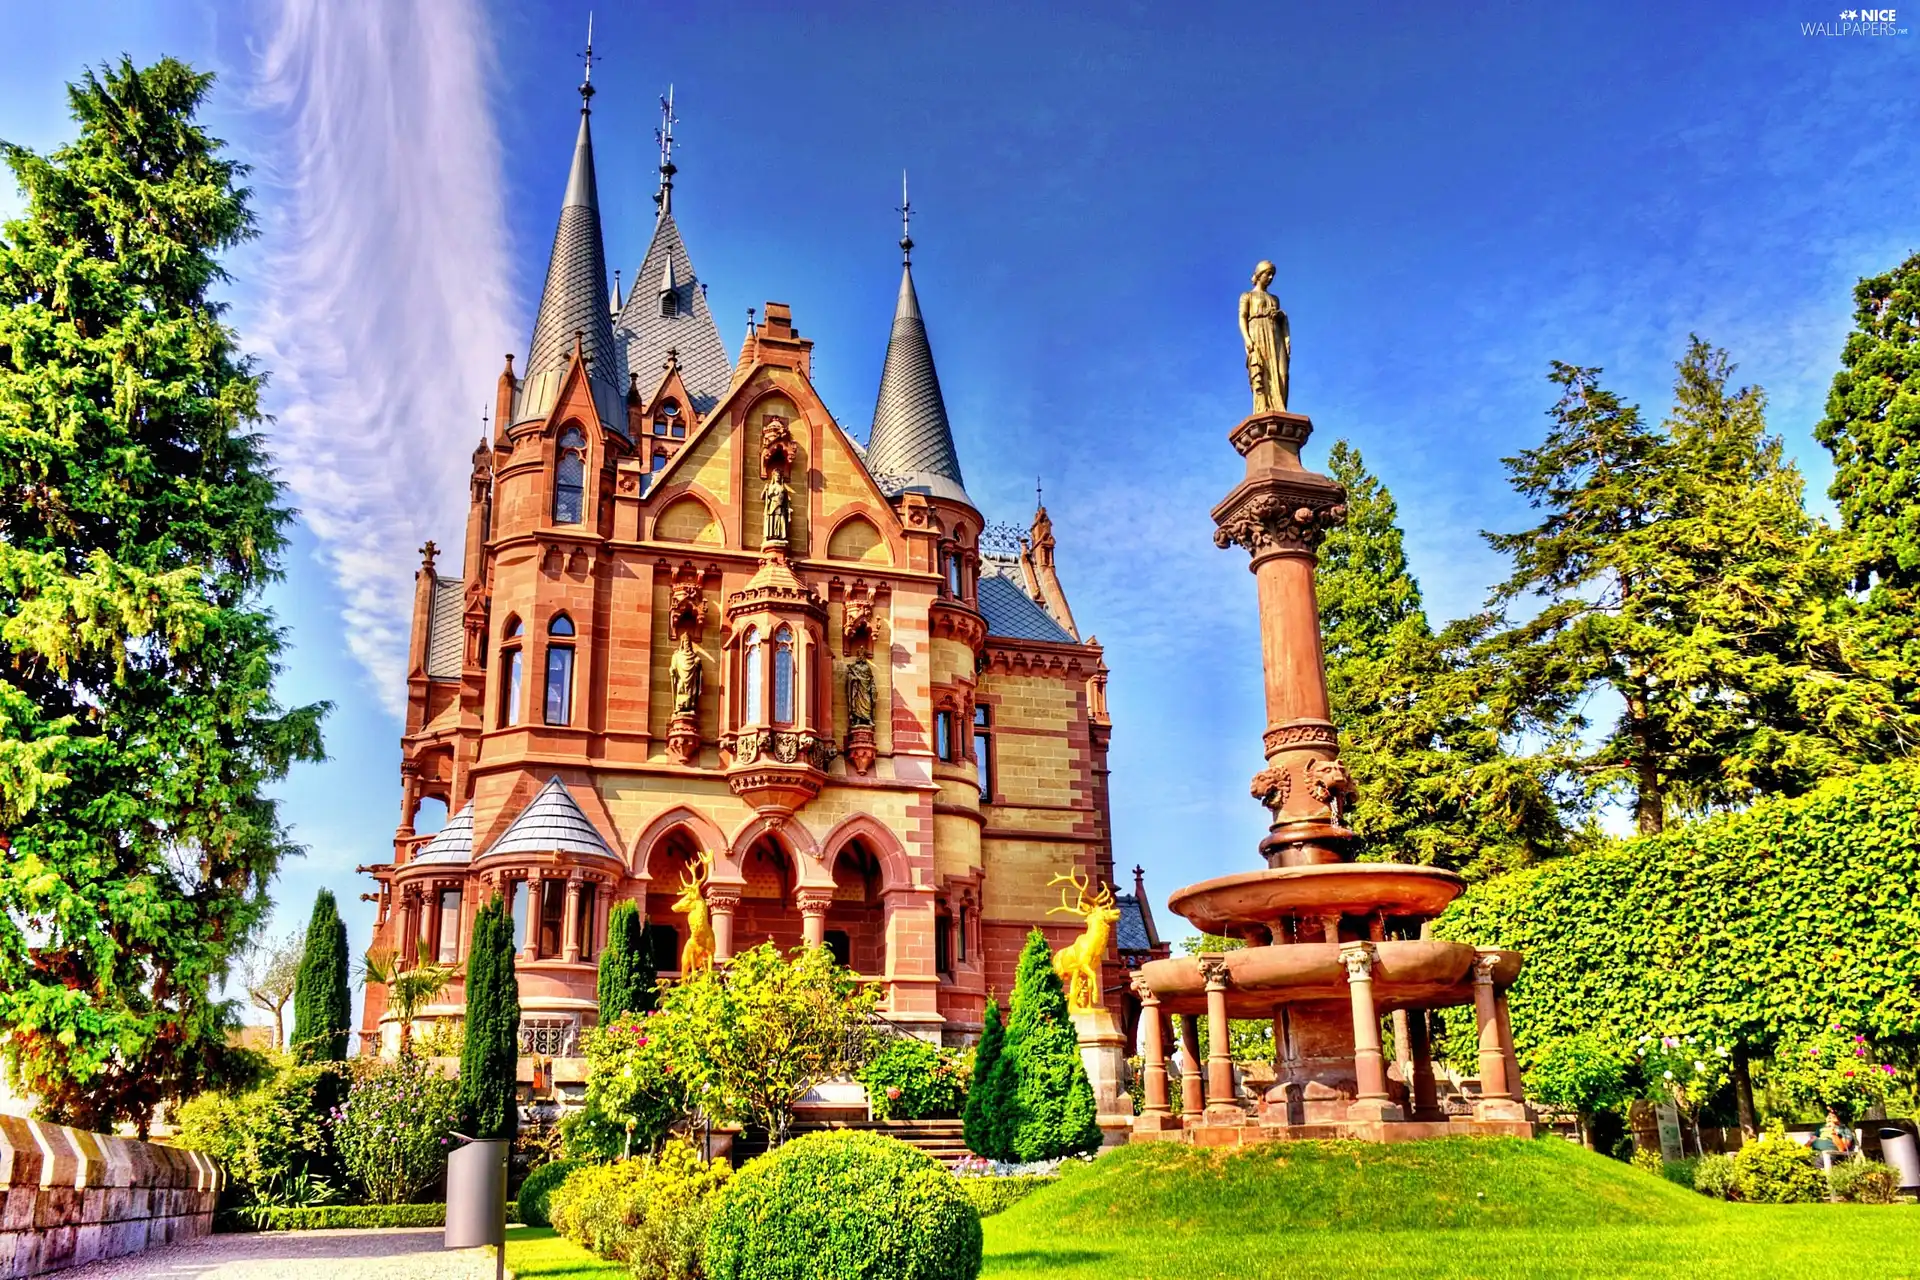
(1902,1155)
(477,1194)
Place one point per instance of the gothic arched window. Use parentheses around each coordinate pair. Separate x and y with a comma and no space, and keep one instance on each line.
(750,656)
(570,477)
(559,690)
(783,676)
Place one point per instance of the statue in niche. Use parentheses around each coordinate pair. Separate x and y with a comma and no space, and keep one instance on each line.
(685,670)
(1263,327)
(777,498)
(861,694)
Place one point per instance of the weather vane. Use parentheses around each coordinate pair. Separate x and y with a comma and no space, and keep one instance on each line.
(586,81)
(906,215)
(664,136)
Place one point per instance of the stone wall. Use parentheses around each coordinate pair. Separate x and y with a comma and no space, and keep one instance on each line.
(72,1197)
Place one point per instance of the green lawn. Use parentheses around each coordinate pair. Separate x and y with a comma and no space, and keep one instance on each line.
(1452,1208)
(536,1253)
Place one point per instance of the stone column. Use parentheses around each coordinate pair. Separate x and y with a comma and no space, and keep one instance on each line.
(1192,1093)
(813,914)
(1510,1058)
(1369,1065)
(1496,1099)
(1155,1113)
(1420,1084)
(531,887)
(1219,1048)
(570,924)
(409,941)
(720,908)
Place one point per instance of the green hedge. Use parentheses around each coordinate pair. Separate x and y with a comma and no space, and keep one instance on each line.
(539,1185)
(321,1217)
(1765,927)
(991,1195)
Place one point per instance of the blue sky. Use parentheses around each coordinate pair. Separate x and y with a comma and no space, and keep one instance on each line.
(1453,196)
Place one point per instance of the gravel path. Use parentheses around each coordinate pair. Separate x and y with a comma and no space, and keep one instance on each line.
(400,1254)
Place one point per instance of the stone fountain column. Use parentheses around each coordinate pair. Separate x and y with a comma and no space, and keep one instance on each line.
(1496,1098)
(1155,1109)
(1222,1105)
(1280,513)
(1371,1102)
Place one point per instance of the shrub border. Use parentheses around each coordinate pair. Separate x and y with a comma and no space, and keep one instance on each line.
(357,1217)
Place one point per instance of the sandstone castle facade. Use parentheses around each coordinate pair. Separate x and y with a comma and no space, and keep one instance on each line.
(694,616)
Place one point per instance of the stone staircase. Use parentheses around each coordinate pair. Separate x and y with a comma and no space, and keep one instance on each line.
(941,1139)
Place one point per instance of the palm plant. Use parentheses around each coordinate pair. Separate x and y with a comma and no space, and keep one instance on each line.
(409,987)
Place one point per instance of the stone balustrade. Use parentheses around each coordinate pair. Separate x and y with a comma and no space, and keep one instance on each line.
(69,1197)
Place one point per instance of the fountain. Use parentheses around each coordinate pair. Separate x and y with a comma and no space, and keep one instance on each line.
(1334,945)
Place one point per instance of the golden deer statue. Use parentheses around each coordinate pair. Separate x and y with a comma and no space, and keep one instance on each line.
(697,953)
(1078,963)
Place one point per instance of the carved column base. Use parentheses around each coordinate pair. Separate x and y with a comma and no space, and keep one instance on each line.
(1375,1109)
(860,749)
(683,739)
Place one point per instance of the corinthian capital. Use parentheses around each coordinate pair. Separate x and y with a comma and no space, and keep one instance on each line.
(1280,522)
(1358,957)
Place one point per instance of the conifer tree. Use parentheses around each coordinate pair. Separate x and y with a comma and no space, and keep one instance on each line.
(322,996)
(627,979)
(1050,1109)
(986,1099)
(1872,429)
(1436,782)
(491,1053)
(1680,571)
(139,522)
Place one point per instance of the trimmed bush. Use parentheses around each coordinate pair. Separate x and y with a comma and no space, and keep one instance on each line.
(987,1099)
(1863,1182)
(1680,1173)
(913,1080)
(991,1195)
(844,1205)
(322,998)
(487,1102)
(1776,1170)
(1713,1176)
(540,1184)
(626,978)
(334,1216)
(394,1128)
(1053,1112)
(649,1212)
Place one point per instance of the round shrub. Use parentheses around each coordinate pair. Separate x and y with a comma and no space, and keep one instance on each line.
(913,1080)
(1776,1170)
(1713,1176)
(538,1186)
(844,1206)
(1863,1182)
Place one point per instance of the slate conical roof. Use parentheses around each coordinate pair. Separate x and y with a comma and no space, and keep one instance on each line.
(452,843)
(645,331)
(574,298)
(551,823)
(911,446)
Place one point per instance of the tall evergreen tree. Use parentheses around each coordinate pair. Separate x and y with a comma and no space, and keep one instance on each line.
(1872,428)
(322,994)
(139,522)
(627,979)
(1436,782)
(986,1098)
(1053,1111)
(491,1054)
(1680,572)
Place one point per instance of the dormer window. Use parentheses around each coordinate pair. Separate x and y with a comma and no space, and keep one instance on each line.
(669,303)
(670,423)
(570,477)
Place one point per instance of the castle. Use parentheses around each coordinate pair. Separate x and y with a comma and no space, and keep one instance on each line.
(694,616)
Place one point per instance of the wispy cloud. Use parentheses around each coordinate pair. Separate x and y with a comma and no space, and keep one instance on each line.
(389,299)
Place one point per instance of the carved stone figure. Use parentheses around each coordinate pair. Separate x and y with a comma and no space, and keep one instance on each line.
(688,678)
(1263,328)
(861,694)
(776,497)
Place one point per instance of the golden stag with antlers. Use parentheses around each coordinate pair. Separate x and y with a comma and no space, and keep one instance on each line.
(1078,963)
(697,954)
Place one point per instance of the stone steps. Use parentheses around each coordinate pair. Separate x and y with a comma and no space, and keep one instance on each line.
(944,1140)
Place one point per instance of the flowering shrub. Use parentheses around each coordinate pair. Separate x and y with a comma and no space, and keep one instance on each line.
(275,1142)
(910,1079)
(649,1212)
(394,1128)
(1713,1176)
(981,1167)
(1686,1070)
(1833,1069)
(634,1095)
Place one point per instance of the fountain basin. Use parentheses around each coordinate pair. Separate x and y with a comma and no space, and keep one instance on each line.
(1406,975)
(1224,904)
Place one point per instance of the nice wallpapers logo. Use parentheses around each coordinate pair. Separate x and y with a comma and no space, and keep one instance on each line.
(1859,22)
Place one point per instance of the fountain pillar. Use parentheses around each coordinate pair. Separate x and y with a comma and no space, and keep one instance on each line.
(1507,1052)
(1220,1095)
(1425,1098)
(1154,1111)
(1496,1099)
(1369,1064)
(1191,1101)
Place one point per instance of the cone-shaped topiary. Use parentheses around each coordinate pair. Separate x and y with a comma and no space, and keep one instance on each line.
(1053,1112)
(626,966)
(492,1050)
(987,1099)
(843,1206)
(322,1000)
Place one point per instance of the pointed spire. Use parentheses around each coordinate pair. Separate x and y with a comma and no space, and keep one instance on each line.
(574,299)
(911,441)
(614,302)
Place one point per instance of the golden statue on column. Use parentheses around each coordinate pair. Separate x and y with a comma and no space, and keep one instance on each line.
(1078,963)
(698,951)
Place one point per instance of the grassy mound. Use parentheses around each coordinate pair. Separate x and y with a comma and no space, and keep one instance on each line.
(1172,1190)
